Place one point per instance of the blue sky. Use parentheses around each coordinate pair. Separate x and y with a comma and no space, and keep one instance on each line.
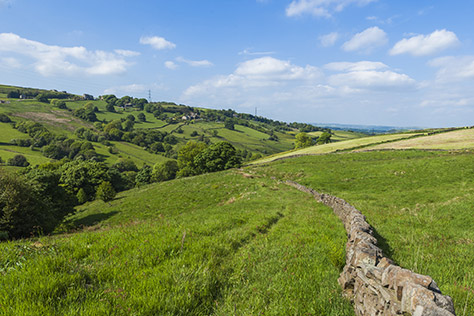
(381,62)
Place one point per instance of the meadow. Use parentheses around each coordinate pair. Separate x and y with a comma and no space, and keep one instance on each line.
(419,202)
(217,244)
(349,144)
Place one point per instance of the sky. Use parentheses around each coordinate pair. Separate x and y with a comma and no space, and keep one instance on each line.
(369,62)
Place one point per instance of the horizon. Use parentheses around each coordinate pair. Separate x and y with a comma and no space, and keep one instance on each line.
(354,62)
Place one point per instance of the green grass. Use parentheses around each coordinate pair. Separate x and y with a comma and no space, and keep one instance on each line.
(420,204)
(365,142)
(7,133)
(217,244)
(34,157)
(459,139)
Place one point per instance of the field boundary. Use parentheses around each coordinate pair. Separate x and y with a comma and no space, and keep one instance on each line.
(373,283)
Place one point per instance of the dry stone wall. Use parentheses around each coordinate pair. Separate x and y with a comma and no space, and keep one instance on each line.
(375,285)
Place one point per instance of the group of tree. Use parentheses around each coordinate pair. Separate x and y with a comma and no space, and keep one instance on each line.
(112,102)
(303,140)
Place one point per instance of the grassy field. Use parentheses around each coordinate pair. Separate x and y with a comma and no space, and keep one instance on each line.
(459,139)
(420,204)
(34,157)
(217,244)
(7,133)
(339,146)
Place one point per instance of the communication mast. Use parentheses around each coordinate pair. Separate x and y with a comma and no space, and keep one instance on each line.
(149,96)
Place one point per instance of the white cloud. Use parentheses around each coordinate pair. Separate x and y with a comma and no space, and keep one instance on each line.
(126,53)
(248,52)
(366,40)
(53,60)
(329,40)
(357,66)
(195,63)
(321,8)
(126,89)
(170,65)
(257,73)
(372,79)
(158,43)
(367,75)
(451,68)
(10,62)
(422,45)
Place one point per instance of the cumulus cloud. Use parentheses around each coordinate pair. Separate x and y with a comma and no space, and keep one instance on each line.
(157,42)
(329,40)
(321,8)
(454,68)
(52,60)
(357,66)
(258,73)
(366,40)
(422,45)
(249,52)
(194,63)
(126,89)
(170,65)
(126,53)
(367,75)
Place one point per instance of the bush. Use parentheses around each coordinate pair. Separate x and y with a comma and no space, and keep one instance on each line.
(165,171)
(18,161)
(105,192)
(4,118)
(82,196)
(24,210)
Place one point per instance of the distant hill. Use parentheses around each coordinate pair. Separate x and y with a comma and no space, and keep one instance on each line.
(368,129)
(133,128)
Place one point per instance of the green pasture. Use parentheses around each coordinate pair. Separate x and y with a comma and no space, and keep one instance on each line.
(340,146)
(7,133)
(34,157)
(459,139)
(217,244)
(419,202)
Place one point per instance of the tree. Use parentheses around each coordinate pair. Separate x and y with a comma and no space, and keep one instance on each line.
(4,118)
(125,164)
(141,117)
(130,117)
(325,138)
(18,161)
(165,171)
(303,140)
(33,203)
(144,175)
(186,155)
(82,196)
(42,98)
(219,156)
(229,124)
(105,192)
(110,107)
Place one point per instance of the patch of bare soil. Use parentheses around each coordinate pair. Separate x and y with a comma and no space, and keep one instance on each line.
(53,118)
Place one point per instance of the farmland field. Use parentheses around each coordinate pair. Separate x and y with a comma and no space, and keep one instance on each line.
(420,204)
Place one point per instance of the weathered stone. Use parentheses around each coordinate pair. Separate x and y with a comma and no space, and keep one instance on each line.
(373,283)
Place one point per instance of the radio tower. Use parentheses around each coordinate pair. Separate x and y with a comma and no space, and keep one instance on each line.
(149,96)
(255,111)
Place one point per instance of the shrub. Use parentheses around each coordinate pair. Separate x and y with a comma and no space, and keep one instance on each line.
(24,210)
(4,118)
(165,171)
(18,161)
(82,196)
(105,192)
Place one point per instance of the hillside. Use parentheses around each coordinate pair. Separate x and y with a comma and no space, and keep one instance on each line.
(212,244)
(170,125)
